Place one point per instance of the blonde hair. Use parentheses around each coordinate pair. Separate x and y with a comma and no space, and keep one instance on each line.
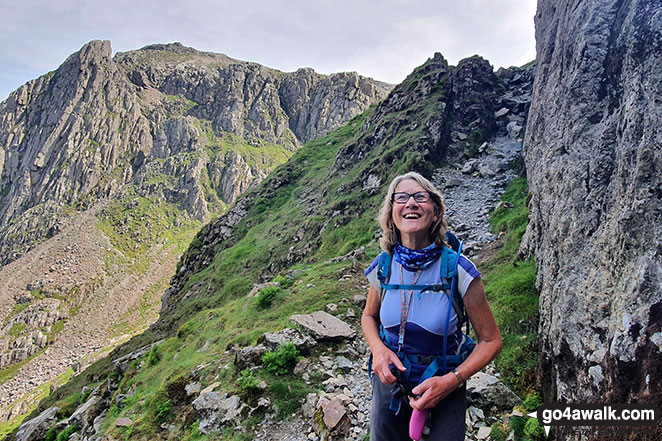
(438,229)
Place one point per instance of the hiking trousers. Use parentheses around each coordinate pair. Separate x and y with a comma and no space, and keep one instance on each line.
(447,421)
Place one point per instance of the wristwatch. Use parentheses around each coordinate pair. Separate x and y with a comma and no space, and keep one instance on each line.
(460,379)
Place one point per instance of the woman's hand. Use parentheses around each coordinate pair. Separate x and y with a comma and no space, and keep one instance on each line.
(432,391)
(382,359)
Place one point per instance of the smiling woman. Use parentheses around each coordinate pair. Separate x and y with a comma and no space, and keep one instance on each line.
(417,339)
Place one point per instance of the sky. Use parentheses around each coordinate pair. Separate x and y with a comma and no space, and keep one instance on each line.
(384,40)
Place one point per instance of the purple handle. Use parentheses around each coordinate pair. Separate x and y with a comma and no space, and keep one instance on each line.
(417,423)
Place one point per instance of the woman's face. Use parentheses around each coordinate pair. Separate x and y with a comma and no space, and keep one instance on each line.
(413,219)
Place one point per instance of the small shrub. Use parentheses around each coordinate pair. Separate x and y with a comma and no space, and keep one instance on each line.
(153,356)
(497,433)
(266,296)
(66,433)
(51,435)
(248,385)
(163,410)
(283,281)
(281,361)
(517,424)
(534,430)
(532,402)
(247,380)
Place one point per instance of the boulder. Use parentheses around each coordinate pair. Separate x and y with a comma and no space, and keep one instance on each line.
(248,357)
(217,410)
(35,429)
(272,341)
(324,326)
(486,392)
(84,415)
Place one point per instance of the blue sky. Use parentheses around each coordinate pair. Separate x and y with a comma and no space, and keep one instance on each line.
(385,40)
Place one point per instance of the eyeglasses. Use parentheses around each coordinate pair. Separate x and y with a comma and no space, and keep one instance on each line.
(402,197)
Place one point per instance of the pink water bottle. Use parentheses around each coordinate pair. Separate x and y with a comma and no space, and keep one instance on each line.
(417,423)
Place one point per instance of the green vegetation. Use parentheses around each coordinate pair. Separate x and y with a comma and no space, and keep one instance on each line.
(266,296)
(510,289)
(281,361)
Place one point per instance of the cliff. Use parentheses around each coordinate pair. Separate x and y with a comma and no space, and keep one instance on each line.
(110,164)
(593,161)
(187,127)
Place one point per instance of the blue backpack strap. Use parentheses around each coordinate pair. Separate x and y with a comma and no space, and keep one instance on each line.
(384,268)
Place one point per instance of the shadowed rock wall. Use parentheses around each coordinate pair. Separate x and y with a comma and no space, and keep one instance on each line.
(594,166)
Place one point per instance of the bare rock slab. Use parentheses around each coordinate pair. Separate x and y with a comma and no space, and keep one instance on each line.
(324,326)
(35,429)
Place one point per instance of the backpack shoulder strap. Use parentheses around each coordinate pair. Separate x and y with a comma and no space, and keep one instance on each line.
(451,268)
(384,267)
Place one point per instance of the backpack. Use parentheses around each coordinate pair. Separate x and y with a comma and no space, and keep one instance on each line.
(449,264)
(448,277)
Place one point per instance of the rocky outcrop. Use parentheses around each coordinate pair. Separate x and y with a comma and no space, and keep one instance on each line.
(96,141)
(593,161)
(156,118)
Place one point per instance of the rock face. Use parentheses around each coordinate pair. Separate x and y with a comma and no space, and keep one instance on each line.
(138,148)
(593,161)
(180,125)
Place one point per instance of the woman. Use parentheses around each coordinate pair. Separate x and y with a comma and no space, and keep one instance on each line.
(412,219)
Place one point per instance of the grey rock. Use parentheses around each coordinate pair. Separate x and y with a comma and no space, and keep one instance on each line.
(302,342)
(35,429)
(344,364)
(85,414)
(248,357)
(217,411)
(595,180)
(486,392)
(324,326)
(359,300)
(514,129)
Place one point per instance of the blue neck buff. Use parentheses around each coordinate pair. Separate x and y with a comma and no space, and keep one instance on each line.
(413,260)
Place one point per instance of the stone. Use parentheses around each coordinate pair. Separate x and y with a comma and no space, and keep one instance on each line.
(84,415)
(123,422)
(310,405)
(514,129)
(486,392)
(359,300)
(332,307)
(324,326)
(35,429)
(216,410)
(501,112)
(210,388)
(334,415)
(248,357)
(301,366)
(192,388)
(344,364)
(302,342)
(483,433)
(452,183)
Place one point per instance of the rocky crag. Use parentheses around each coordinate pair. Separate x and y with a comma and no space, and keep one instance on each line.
(593,157)
(183,126)
(108,167)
